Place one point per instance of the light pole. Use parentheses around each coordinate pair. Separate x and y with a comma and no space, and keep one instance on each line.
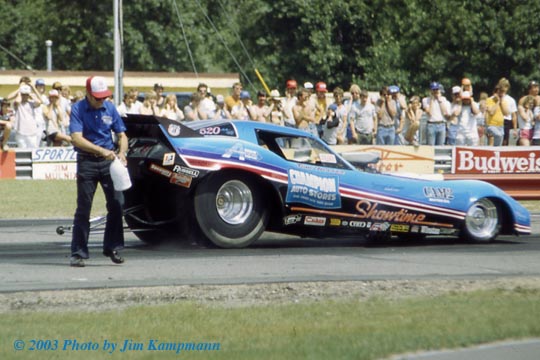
(49,43)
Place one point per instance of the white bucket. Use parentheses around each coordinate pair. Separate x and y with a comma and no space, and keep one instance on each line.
(120,176)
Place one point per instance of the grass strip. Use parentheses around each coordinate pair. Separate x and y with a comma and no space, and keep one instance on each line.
(50,199)
(352,329)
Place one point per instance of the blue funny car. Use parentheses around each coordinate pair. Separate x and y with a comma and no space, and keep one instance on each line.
(228,181)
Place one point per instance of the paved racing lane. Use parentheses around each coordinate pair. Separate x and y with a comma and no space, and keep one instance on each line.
(35,258)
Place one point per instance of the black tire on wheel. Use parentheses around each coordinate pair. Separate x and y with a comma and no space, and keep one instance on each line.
(482,222)
(230,210)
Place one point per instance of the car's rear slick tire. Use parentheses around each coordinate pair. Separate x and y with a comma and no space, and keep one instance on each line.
(230,210)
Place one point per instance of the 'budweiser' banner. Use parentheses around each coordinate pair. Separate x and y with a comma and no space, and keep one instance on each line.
(500,160)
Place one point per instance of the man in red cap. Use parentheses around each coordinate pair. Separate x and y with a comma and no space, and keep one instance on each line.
(92,122)
(289,102)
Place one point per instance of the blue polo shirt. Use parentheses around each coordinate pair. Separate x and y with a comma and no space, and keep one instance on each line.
(96,124)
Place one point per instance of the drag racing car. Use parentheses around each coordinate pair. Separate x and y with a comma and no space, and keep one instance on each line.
(229,181)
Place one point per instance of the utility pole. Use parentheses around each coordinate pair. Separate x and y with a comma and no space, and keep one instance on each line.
(118,57)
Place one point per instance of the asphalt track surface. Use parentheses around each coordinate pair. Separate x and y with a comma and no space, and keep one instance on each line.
(34,257)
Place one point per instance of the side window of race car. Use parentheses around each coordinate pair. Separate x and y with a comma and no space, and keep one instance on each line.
(308,151)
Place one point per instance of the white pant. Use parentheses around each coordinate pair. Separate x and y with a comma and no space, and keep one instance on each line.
(26,141)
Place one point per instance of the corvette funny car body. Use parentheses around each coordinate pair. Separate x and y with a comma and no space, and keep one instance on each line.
(231,180)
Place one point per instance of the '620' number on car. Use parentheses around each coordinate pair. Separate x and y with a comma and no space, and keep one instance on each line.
(211,130)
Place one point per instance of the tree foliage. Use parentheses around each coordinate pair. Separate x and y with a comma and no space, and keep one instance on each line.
(370,42)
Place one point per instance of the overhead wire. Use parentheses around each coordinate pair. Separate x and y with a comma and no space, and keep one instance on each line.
(224,43)
(185,39)
(28,67)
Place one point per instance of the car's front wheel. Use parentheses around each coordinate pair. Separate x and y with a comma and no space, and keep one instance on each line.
(482,221)
(230,210)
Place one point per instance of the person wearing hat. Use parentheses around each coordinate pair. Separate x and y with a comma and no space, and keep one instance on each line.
(401,107)
(92,122)
(289,101)
(437,109)
(276,108)
(320,104)
(221,112)
(26,125)
(6,115)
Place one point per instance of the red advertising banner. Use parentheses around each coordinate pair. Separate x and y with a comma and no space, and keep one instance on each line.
(7,165)
(495,160)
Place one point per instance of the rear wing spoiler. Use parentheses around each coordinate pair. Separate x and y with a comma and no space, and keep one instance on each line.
(155,126)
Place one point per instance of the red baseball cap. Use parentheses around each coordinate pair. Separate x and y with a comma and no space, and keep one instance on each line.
(321,86)
(291,84)
(97,87)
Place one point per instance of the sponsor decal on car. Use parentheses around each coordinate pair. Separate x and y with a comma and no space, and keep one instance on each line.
(168,159)
(399,228)
(321,191)
(174,130)
(358,224)
(328,158)
(314,221)
(430,230)
(186,171)
(174,178)
(380,227)
(160,170)
(368,210)
(335,222)
(181,180)
(438,194)
(292,219)
(241,153)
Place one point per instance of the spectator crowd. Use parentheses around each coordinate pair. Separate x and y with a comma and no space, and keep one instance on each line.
(41,118)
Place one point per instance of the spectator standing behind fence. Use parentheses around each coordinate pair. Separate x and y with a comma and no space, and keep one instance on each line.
(526,120)
(437,108)
(320,104)
(208,106)
(39,112)
(411,121)
(496,107)
(386,110)
(6,116)
(536,129)
(234,98)
(64,102)
(193,111)
(304,113)
(221,112)
(276,108)
(481,118)
(25,126)
(510,120)
(452,123)
(342,112)
(401,106)
(171,110)
(160,98)
(467,111)
(330,125)
(149,105)
(362,117)
(261,111)
(129,104)
(289,102)
(57,121)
